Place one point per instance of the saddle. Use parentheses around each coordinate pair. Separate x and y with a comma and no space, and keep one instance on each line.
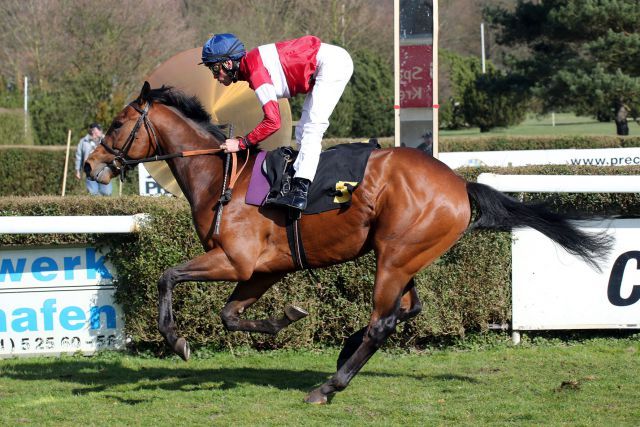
(340,171)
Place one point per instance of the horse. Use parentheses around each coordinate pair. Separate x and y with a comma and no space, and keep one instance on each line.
(409,209)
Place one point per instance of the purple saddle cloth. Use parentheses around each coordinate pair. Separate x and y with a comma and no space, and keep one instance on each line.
(259,185)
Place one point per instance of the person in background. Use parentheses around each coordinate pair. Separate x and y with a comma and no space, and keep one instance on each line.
(282,70)
(86,145)
(427,143)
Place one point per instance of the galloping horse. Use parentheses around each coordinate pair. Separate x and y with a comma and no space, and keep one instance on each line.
(409,209)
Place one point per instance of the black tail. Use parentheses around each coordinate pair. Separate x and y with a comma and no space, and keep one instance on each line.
(500,212)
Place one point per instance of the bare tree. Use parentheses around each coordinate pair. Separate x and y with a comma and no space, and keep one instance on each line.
(31,40)
(350,23)
(460,26)
(53,40)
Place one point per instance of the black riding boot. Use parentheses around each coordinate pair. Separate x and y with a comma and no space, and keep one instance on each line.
(297,197)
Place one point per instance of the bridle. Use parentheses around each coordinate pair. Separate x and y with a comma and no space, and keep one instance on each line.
(122,163)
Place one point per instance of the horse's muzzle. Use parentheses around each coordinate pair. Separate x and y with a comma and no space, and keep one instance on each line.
(101,173)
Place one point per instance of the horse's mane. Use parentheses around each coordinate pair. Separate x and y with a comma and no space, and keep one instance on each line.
(190,106)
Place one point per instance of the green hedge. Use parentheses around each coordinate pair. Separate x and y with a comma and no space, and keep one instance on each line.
(465,290)
(499,143)
(37,170)
(33,171)
(12,130)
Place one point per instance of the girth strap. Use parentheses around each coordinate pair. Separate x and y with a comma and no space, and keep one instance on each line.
(295,241)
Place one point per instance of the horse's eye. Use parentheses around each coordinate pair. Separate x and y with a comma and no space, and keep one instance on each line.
(117,125)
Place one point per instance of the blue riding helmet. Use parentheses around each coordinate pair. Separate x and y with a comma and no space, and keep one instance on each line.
(221,47)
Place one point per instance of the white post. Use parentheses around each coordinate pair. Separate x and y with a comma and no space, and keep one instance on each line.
(482,43)
(562,183)
(515,337)
(396,70)
(553,119)
(66,164)
(436,106)
(26,104)
(72,224)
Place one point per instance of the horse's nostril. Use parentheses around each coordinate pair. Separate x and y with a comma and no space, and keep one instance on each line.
(87,168)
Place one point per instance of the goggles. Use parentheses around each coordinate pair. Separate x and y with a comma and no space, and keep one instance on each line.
(215,68)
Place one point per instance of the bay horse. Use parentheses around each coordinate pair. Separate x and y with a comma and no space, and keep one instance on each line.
(409,209)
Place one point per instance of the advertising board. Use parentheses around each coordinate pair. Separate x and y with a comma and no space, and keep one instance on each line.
(579,157)
(57,300)
(555,290)
(416,81)
(147,186)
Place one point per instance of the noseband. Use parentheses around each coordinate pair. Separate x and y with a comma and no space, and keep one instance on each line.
(121,163)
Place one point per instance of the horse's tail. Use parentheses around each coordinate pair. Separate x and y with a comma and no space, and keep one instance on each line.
(498,211)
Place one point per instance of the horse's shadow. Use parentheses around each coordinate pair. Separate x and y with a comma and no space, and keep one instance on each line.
(101,376)
(93,376)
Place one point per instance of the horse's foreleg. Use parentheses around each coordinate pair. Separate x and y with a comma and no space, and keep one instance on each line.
(410,306)
(247,293)
(210,266)
(386,313)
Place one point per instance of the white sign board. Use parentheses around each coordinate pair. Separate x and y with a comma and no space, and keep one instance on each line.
(555,290)
(593,157)
(57,300)
(147,186)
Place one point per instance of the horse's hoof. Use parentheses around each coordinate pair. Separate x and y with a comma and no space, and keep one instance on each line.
(316,397)
(294,313)
(182,348)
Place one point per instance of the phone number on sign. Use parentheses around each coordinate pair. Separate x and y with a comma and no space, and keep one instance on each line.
(51,343)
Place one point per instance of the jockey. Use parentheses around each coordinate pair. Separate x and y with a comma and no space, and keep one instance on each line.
(282,70)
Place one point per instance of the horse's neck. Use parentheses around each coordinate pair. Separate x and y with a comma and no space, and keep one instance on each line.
(193,174)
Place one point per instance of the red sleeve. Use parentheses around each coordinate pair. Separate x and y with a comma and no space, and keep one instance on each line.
(254,71)
(269,125)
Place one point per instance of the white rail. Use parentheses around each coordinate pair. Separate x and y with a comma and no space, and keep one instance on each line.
(562,183)
(71,224)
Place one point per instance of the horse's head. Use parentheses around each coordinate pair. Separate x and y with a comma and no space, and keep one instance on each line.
(131,136)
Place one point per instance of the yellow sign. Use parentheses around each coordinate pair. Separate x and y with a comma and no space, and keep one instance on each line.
(345,195)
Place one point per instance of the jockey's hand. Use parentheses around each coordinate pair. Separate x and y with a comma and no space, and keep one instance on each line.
(231,145)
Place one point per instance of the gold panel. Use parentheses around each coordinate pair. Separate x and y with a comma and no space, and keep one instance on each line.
(236,104)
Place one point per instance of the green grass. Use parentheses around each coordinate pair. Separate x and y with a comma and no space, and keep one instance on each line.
(596,382)
(566,124)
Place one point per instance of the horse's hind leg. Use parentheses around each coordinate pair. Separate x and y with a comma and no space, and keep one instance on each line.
(247,293)
(396,265)
(390,284)
(410,306)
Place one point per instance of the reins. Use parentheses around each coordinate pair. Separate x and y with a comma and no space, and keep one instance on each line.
(121,163)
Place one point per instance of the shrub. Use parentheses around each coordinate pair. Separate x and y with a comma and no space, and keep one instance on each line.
(373,92)
(12,128)
(487,100)
(366,107)
(39,171)
(73,104)
(465,290)
(499,143)
(494,100)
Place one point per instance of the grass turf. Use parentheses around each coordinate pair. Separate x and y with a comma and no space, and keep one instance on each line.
(595,382)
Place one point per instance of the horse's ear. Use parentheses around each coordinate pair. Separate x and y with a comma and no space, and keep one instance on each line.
(144,93)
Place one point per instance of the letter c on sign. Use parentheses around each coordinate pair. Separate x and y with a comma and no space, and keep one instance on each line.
(615,280)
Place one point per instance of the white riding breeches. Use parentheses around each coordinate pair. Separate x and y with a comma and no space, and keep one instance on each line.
(334,69)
